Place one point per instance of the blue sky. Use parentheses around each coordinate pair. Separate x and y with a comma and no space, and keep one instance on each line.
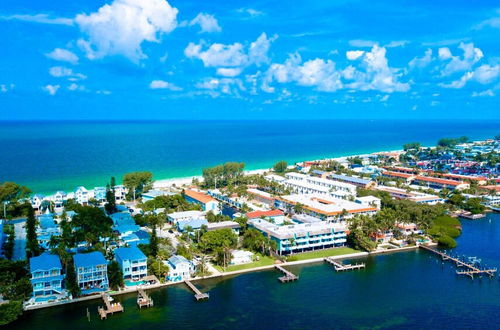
(153,59)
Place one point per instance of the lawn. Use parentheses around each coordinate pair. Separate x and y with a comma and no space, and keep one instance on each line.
(323,253)
(264,261)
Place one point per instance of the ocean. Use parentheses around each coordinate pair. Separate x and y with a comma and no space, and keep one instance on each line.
(403,290)
(49,156)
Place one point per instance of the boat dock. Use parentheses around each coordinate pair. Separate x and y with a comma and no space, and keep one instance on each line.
(471,268)
(341,267)
(143,300)
(197,293)
(287,277)
(110,308)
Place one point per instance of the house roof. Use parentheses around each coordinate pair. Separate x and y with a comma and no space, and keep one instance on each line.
(349,178)
(46,222)
(194,223)
(199,196)
(397,174)
(438,180)
(45,261)
(129,253)
(177,260)
(89,259)
(258,214)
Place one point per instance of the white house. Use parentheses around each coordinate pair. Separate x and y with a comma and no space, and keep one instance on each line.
(36,201)
(239,257)
(120,192)
(180,268)
(81,195)
(58,199)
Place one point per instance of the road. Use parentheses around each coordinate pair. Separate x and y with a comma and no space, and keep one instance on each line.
(19,240)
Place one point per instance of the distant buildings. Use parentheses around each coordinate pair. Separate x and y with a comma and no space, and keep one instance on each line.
(99,194)
(240,257)
(261,196)
(233,225)
(180,269)
(274,216)
(47,228)
(91,272)
(305,184)
(46,278)
(302,237)
(207,203)
(81,195)
(133,263)
(194,224)
(414,196)
(175,217)
(358,182)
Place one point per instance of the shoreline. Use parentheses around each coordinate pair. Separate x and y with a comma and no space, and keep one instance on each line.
(227,274)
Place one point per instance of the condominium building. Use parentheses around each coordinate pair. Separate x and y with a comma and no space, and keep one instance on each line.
(305,184)
(133,263)
(46,278)
(91,272)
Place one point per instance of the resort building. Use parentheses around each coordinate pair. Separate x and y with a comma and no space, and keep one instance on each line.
(46,278)
(175,217)
(369,201)
(81,195)
(414,196)
(120,193)
(240,257)
(230,200)
(480,180)
(408,178)
(193,224)
(91,272)
(305,184)
(207,203)
(133,263)
(274,216)
(437,183)
(180,269)
(99,194)
(323,207)
(275,178)
(59,198)
(261,196)
(302,237)
(358,182)
(224,224)
(46,228)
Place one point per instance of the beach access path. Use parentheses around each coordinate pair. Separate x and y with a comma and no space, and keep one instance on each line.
(19,252)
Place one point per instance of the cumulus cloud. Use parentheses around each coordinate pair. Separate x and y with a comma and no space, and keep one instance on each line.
(229,72)
(421,62)
(354,54)
(207,23)
(250,12)
(62,72)
(39,18)
(471,55)
(121,27)
(234,56)
(485,93)
(64,55)
(483,74)
(75,87)
(161,84)
(51,89)
(226,86)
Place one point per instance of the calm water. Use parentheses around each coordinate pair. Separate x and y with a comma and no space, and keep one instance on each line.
(411,290)
(48,156)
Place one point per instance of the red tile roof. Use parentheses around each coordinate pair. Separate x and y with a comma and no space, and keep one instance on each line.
(397,174)
(438,180)
(258,214)
(199,196)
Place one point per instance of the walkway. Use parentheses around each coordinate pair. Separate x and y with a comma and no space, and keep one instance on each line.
(19,252)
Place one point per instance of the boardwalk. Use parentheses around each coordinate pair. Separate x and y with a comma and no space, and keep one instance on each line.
(341,267)
(471,269)
(110,308)
(143,300)
(287,277)
(197,293)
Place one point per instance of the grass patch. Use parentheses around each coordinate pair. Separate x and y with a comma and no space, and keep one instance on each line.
(445,228)
(264,261)
(322,253)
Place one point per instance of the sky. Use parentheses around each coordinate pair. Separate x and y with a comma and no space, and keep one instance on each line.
(314,59)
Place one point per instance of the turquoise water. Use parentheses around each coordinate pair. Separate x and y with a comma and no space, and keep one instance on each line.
(410,290)
(48,156)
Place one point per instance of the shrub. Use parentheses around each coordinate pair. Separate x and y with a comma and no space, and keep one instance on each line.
(447,242)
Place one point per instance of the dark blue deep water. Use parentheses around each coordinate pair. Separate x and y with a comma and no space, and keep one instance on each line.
(406,290)
(48,156)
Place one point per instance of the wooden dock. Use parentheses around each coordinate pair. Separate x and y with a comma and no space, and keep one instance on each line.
(110,308)
(197,293)
(471,269)
(287,277)
(143,300)
(341,267)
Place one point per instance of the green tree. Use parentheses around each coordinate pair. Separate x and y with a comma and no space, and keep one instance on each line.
(115,275)
(110,206)
(71,280)
(90,224)
(153,243)
(280,167)
(138,182)
(32,247)
(11,191)
(412,146)
(10,311)
(217,239)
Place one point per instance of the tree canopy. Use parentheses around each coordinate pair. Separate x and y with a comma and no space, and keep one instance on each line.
(90,223)
(280,167)
(223,175)
(218,239)
(138,182)
(11,191)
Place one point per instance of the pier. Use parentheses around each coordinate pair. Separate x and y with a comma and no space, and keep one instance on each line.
(470,268)
(109,307)
(143,300)
(287,277)
(341,267)
(197,293)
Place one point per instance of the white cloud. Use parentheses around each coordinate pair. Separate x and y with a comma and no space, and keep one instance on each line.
(354,54)
(122,26)
(4,88)
(421,62)
(61,72)
(161,84)
(63,55)
(216,87)
(460,82)
(483,74)
(39,18)
(207,23)
(75,87)
(362,43)
(471,55)
(487,92)
(229,72)
(397,43)
(233,55)
(384,98)
(250,11)
(51,89)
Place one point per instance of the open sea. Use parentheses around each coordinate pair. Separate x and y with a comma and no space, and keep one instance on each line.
(49,156)
(404,290)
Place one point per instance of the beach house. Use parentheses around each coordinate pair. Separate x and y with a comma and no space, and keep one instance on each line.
(120,192)
(81,195)
(180,268)
(207,202)
(46,278)
(36,201)
(133,263)
(91,272)
(175,217)
(240,257)
(99,194)
(194,224)
(46,228)
(58,198)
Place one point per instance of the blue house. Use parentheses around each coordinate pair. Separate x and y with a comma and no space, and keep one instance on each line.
(133,263)
(91,272)
(179,269)
(100,194)
(46,278)
(195,224)
(47,228)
